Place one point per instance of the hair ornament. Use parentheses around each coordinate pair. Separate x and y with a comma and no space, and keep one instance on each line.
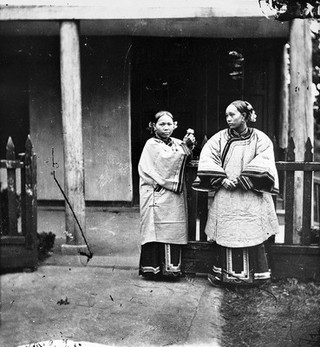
(252,116)
(150,127)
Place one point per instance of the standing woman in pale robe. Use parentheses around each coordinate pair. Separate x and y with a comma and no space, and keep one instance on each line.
(163,203)
(238,163)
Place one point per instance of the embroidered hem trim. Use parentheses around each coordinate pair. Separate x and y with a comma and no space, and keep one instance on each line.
(262,276)
(150,269)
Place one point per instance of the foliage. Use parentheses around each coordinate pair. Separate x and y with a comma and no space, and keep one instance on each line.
(45,244)
(285,10)
(45,240)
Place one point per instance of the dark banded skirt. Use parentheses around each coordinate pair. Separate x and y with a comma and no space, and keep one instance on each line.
(160,260)
(240,265)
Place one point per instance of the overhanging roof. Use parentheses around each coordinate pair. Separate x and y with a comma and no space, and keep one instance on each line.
(203,18)
(127,9)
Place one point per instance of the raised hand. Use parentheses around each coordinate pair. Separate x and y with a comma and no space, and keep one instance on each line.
(189,139)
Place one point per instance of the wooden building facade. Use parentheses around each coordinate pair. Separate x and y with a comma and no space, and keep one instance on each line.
(84,80)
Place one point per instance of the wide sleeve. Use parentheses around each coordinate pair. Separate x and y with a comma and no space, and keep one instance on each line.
(210,171)
(164,165)
(260,173)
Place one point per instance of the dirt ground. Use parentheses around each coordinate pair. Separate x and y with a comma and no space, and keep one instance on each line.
(285,313)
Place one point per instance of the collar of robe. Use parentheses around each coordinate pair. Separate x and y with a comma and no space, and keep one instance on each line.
(244,134)
(167,141)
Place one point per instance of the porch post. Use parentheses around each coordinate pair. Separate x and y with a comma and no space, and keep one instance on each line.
(301,108)
(72,134)
(284,106)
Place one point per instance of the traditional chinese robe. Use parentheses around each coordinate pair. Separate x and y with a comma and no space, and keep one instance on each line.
(245,216)
(163,206)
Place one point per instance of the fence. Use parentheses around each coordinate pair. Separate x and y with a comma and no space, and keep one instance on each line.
(288,259)
(299,260)
(19,244)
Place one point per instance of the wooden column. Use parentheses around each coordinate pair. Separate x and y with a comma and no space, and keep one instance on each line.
(301,108)
(72,130)
(284,106)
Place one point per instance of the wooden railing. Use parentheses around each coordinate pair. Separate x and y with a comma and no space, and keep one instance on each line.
(298,260)
(19,244)
(308,167)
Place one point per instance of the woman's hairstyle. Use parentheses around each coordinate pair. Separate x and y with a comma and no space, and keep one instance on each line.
(162,113)
(156,118)
(246,108)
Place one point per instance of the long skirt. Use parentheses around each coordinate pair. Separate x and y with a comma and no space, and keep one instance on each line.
(240,265)
(158,260)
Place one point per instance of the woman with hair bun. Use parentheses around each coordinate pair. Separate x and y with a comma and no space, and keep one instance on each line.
(238,164)
(163,206)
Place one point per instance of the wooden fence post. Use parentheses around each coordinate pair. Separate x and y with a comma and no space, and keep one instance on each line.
(23,194)
(307,197)
(12,191)
(276,150)
(30,196)
(289,196)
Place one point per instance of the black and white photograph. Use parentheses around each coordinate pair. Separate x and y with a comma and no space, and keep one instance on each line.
(159,173)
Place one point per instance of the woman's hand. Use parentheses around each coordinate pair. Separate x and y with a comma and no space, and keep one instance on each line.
(236,181)
(229,184)
(189,140)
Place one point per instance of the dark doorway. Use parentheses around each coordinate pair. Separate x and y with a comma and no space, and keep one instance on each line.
(167,74)
(195,79)
(14,106)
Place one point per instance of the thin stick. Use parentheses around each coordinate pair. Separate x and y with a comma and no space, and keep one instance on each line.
(90,255)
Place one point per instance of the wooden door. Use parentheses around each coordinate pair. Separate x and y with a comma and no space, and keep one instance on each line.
(196,79)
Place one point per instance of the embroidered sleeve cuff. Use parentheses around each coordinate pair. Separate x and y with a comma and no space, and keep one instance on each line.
(245,183)
(216,181)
